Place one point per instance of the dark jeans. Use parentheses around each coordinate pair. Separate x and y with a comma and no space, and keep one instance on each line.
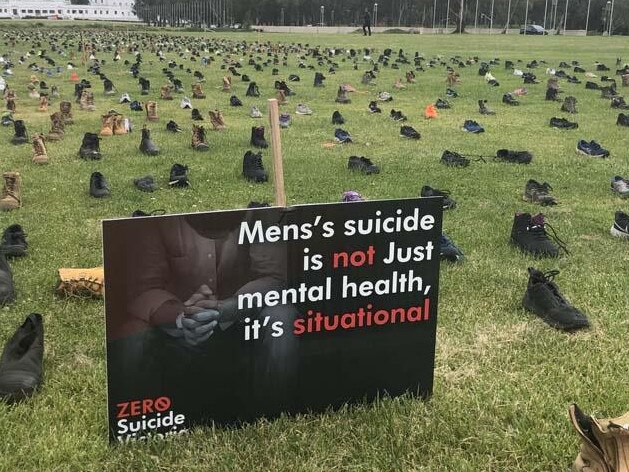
(367,28)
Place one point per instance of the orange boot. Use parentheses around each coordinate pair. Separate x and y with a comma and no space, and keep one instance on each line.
(430,111)
(74,77)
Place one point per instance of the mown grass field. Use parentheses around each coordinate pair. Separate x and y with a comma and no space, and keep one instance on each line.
(503,379)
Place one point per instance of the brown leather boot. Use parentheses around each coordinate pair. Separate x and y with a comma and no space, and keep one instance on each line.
(10,104)
(410,78)
(87,101)
(227,84)
(39,150)
(10,199)
(164,93)
(591,457)
(57,129)
(613,436)
(216,117)
(198,138)
(43,103)
(281,97)
(119,127)
(197,91)
(107,128)
(151,111)
(66,112)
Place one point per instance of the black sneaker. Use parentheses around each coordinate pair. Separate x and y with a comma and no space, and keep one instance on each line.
(562,123)
(90,147)
(397,115)
(509,99)
(442,104)
(173,127)
(14,242)
(449,251)
(517,157)
(140,213)
(454,159)
(179,176)
(196,115)
(543,298)
(409,132)
(257,137)
(529,234)
(448,203)
(620,228)
(362,164)
(98,186)
(235,101)
(7,289)
(146,183)
(21,361)
(253,168)
(535,192)
(374,108)
(622,120)
(337,118)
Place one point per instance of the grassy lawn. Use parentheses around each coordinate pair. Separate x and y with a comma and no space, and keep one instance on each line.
(503,378)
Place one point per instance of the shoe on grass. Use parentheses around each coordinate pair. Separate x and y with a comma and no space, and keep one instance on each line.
(173,127)
(529,234)
(591,148)
(179,176)
(303,109)
(253,168)
(284,120)
(472,126)
(620,186)
(145,184)
(337,118)
(535,192)
(98,186)
(13,243)
(342,136)
(517,157)
(7,289)
(562,123)
(449,251)
(363,165)
(409,132)
(454,159)
(255,112)
(448,203)
(622,120)
(620,228)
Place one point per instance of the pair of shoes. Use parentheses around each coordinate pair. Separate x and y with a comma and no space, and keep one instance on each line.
(363,165)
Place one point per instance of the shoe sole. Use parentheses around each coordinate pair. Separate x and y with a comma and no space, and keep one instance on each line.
(617,233)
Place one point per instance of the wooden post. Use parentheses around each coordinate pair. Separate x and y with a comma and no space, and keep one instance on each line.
(276,147)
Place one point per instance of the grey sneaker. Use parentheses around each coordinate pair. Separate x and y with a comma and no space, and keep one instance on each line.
(255,113)
(620,186)
(303,110)
(535,192)
(284,120)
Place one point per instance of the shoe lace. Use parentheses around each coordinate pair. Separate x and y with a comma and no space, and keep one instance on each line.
(538,230)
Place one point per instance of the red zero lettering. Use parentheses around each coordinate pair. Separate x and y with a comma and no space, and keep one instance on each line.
(142,407)
(162,404)
(147,405)
(123,410)
(135,407)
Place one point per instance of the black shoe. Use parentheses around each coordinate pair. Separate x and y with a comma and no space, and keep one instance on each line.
(257,137)
(562,123)
(173,127)
(374,108)
(592,85)
(442,104)
(139,213)
(90,147)
(517,157)
(482,108)
(535,192)
(397,115)
(509,99)
(20,136)
(409,132)
(235,101)
(14,242)
(569,105)
(362,164)
(196,115)
(146,183)
(136,106)
(448,203)
(552,95)
(252,167)
(543,298)
(179,176)
(454,159)
(619,103)
(7,289)
(98,186)
(529,234)
(21,361)
(622,120)
(620,228)
(337,118)
(147,146)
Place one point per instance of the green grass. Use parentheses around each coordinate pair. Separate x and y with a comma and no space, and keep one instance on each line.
(503,379)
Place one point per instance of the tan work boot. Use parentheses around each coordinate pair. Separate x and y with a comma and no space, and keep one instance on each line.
(197,91)
(32,92)
(66,112)
(39,150)
(165,93)
(11,199)
(57,131)
(216,117)
(119,127)
(151,111)
(591,457)
(81,283)
(107,127)
(87,101)
(43,103)
(281,97)
(10,104)
(410,77)
(198,138)
(227,84)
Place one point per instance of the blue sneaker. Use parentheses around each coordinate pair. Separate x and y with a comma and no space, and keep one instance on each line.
(591,148)
(342,136)
(449,251)
(472,127)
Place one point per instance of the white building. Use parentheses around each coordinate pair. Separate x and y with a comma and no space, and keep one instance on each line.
(110,10)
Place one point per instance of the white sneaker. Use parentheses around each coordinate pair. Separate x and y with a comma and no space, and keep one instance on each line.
(385,97)
(518,72)
(303,110)
(255,113)
(185,103)
(125,98)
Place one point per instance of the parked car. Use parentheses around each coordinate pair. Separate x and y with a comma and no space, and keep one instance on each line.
(533,29)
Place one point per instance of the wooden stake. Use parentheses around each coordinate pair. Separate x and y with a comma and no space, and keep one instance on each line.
(276,147)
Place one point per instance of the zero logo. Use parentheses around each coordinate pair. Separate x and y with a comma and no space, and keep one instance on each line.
(143,407)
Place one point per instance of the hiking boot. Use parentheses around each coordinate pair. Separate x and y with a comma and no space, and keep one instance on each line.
(442,104)
(66,112)
(21,361)
(7,289)
(529,234)
(90,147)
(454,159)
(145,86)
(227,84)
(471,126)
(235,101)
(217,120)
(255,112)
(43,103)
(253,90)
(57,129)
(284,120)
(535,192)
(509,99)
(517,157)
(562,123)
(165,92)
(147,146)
(362,164)
(449,251)
(620,186)
(569,105)
(552,94)
(303,109)
(620,228)
(107,127)
(281,97)
(252,167)
(257,137)
(196,115)
(87,101)
(337,118)
(11,191)
(13,242)
(373,108)
(39,150)
(145,184)
(20,133)
(482,108)
(151,111)
(342,136)
(608,92)
(199,142)
(120,125)
(409,132)
(591,148)
(185,103)
(543,298)
(448,203)
(341,96)
(318,79)
(125,98)
(81,283)
(98,185)
(108,87)
(173,127)
(179,176)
